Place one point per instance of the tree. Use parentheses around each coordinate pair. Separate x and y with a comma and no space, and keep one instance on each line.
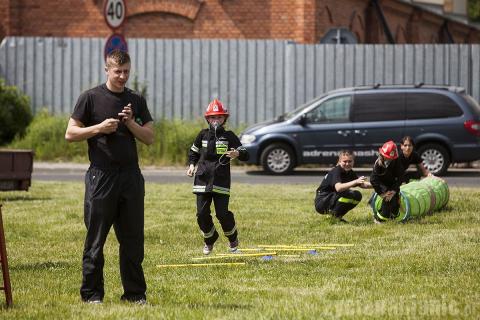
(15,113)
(474,10)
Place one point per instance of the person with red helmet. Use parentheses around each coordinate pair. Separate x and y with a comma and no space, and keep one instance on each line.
(386,179)
(211,153)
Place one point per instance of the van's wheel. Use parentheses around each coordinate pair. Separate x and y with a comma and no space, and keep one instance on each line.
(435,158)
(278,158)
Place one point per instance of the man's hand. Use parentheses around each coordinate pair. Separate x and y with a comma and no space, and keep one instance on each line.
(76,130)
(108,126)
(127,113)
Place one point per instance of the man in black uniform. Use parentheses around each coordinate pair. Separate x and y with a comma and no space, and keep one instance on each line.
(110,117)
(334,195)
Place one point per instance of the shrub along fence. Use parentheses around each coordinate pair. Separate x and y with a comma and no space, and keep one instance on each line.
(46,133)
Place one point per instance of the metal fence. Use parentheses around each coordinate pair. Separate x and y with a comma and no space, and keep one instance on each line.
(256,79)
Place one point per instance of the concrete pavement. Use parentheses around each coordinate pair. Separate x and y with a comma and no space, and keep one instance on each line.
(57,171)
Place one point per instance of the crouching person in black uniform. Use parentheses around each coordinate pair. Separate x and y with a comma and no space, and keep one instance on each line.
(334,195)
(386,179)
(111,118)
(212,151)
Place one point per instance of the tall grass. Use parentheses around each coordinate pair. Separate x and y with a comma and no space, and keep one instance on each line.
(45,135)
(424,269)
(173,139)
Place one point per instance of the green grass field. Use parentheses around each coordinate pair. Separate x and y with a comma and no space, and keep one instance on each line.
(427,268)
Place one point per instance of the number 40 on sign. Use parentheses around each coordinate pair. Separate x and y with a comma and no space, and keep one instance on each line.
(114,12)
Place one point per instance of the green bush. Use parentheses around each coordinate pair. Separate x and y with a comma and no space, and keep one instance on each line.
(474,10)
(15,113)
(46,136)
(173,139)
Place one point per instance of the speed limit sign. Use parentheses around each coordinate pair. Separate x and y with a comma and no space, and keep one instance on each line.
(114,12)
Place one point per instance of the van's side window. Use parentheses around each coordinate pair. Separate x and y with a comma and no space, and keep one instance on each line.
(333,110)
(378,107)
(431,105)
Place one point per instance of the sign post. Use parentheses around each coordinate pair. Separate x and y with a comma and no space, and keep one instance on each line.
(115,12)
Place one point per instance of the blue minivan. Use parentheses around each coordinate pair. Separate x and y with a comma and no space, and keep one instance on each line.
(444,122)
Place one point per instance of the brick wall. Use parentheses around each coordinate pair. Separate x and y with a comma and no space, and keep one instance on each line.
(56,18)
(304,21)
(4,17)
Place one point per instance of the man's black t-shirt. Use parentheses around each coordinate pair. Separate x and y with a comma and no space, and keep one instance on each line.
(336,175)
(117,149)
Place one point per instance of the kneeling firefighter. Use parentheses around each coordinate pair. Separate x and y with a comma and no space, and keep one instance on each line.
(386,179)
(334,195)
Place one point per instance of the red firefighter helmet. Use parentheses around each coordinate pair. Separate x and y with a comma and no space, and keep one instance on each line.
(389,150)
(216,108)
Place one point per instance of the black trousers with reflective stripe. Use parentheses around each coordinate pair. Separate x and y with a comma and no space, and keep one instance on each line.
(330,203)
(114,197)
(224,216)
(339,208)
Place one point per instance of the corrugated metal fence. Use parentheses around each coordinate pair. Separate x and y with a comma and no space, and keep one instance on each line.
(256,79)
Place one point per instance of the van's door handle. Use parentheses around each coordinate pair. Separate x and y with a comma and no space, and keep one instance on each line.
(362,132)
(345,133)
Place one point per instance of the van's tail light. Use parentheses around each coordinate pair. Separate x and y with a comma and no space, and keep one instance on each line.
(473,127)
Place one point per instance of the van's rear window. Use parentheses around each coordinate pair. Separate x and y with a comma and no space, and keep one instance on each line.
(425,105)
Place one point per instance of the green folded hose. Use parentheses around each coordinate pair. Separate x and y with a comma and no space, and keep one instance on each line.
(417,199)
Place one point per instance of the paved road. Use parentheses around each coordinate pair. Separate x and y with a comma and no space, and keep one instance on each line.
(252,175)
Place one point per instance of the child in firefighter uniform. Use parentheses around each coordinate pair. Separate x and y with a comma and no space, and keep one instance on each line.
(334,195)
(386,179)
(212,152)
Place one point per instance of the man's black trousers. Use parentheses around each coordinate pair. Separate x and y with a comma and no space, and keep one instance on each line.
(114,197)
(204,217)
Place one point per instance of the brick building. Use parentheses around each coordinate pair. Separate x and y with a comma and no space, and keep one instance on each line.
(304,21)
